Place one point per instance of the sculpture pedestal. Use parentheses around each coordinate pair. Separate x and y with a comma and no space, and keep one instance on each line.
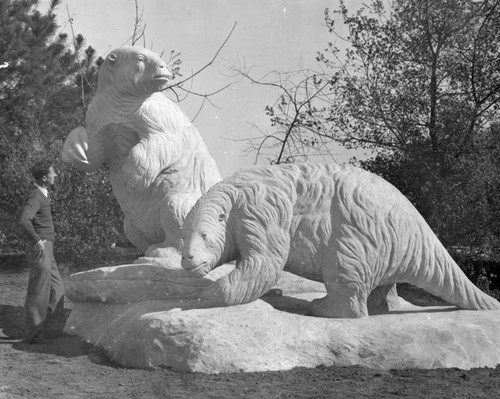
(258,337)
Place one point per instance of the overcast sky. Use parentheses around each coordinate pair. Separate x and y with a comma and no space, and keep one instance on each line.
(269,35)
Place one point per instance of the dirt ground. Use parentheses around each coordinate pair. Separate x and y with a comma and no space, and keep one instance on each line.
(69,368)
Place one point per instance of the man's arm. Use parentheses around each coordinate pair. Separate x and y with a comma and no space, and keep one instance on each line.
(30,209)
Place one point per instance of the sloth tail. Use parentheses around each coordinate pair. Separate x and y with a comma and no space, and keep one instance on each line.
(442,277)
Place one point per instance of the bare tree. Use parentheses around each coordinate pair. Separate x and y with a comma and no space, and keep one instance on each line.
(298,126)
(139,30)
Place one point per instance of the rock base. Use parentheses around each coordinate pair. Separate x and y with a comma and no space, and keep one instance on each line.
(258,336)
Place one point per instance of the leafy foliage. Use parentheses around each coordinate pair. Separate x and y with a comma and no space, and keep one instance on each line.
(425,74)
(45,84)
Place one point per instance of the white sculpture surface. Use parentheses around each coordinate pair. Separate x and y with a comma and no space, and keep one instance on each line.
(158,163)
(341,225)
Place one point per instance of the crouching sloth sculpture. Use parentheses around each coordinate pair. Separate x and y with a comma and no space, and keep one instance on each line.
(343,226)
(159,165)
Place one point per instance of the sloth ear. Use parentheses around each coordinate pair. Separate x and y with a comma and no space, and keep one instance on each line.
(112,57)
(222,217)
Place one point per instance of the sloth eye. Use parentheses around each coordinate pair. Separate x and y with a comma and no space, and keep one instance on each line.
(141,58)
(222,217)
(203,235)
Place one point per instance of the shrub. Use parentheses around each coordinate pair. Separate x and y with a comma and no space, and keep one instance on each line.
(481,268)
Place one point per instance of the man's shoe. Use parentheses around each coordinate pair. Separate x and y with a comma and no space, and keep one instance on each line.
(34,337)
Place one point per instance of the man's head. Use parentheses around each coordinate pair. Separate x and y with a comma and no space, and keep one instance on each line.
(44,173)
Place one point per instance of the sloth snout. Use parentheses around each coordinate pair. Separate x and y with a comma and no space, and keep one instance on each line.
(165,69)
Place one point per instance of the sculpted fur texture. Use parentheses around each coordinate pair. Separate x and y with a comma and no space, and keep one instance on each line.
(159,165)
(340,225)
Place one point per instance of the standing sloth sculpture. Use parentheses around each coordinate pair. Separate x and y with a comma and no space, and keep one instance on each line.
(340,225)
(158,163)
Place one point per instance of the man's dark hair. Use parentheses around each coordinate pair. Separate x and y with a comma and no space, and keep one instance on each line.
(41,169)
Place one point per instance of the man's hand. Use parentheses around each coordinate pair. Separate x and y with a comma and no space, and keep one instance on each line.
(38,249)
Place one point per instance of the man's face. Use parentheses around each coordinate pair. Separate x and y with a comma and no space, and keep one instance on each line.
(50,178)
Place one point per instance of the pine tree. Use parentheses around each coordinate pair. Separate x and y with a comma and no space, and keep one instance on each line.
(36,63)
(46,81)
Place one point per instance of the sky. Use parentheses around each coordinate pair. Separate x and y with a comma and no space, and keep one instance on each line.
(270,35)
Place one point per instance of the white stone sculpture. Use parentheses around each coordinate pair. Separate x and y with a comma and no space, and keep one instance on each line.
(341,225)
(158,163)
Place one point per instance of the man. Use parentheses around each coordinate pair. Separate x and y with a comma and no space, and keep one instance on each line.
(44,306)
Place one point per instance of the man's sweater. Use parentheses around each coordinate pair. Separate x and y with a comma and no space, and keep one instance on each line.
(36,217)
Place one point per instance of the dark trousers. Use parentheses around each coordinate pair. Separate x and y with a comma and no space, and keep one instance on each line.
(44,306)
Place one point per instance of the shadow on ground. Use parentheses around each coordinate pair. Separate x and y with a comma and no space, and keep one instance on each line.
(12,330)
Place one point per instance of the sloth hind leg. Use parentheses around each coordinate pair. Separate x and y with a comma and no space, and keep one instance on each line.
(346,297)
(383,299)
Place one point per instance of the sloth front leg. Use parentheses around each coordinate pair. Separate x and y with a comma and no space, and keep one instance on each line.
(145,161)
(249,280)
